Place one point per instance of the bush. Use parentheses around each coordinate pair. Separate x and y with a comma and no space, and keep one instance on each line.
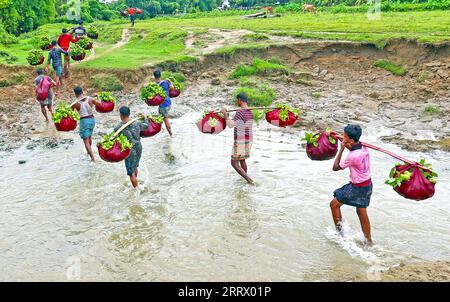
(389,66)
(259,94)
(106,82)
(7,57)
(255,37)
(259,67)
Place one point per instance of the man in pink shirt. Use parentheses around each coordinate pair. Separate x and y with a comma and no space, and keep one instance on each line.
(357,193)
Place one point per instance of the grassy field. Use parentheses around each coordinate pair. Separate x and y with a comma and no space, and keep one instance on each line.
(163,39)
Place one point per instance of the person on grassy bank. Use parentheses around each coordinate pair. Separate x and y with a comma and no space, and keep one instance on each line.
(79,31)
(64,41)
(44,85)
(358,192)
(54,56)
(243,135)
(133,133)
(132,12)
(84,106)
(164,108)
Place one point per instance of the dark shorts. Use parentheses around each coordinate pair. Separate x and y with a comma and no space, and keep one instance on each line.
(132,161)
(354,196)
(132,17)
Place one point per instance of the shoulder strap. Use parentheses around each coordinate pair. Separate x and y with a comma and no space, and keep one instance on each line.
(124,126)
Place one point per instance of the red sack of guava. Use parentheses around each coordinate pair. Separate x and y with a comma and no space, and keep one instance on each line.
(218,126)
(66,124)
(139,11)
(325,149)
(174,92)
(78,57)
(105,107)
(153,129)
(113,155)
(418,187)
(155,101)
(273,117)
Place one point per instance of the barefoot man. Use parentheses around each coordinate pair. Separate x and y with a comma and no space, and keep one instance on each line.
(243,135)
(84,107)
(358,191)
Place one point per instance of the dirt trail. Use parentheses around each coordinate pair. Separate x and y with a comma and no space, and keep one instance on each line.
(126,35)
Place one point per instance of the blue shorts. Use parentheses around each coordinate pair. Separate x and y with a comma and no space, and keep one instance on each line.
(58,70)
(132,161)
(132,17)
(354,196)
(87,127)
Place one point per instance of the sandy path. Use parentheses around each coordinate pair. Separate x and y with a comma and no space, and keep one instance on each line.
(126,35)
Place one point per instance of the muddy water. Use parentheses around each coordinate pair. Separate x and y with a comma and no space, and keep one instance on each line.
(194,219)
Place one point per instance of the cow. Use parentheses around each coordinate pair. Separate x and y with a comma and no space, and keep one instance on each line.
(310,8)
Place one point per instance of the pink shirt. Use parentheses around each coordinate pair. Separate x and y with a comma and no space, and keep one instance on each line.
(359,163)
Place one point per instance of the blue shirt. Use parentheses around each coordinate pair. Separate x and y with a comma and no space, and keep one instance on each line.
(166,86)
(54,56)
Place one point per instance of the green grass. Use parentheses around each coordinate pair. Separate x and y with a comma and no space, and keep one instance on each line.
(259,67)
(392,67)
(106,82)
(13,79)
(162,39)
(259,93)
(432,110)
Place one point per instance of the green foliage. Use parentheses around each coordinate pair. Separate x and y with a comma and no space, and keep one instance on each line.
(106,82)
(432,110)
(108,141)
(259,67)
(83,42)
(396,178)
(157,118)
(311,138)
(284,111)
(177,85)
(77,50)
(63,110)
(175,75)
(316,95)
(152,90)
(43,42)
(259,94)
(93,30)
(7,57)
(34,56)
(105,96)
(389,66)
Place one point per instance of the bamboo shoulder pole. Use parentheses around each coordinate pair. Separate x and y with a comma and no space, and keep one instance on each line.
(124,126)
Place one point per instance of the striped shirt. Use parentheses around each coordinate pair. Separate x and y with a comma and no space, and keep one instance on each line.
(243,130)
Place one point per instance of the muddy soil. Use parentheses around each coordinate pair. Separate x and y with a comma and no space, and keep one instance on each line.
(332,83)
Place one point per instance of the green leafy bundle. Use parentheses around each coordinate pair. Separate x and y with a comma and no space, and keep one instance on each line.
(213,122)
(77,50)
(106,97)
(177,85)
(311,139)
(284,110)
(157,118)
(396,178)
(93,30)
(152,90)
(44,42)
(34,56)
(84,42)
(64,110)
(108,141)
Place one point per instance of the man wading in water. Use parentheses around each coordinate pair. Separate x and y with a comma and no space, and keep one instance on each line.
(357,193)
(164,108)
(133,133)
(243,135)
(84,106)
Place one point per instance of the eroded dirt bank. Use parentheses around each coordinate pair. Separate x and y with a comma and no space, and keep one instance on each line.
(333,83)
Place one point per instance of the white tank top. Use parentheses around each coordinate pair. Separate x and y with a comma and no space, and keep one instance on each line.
(85,107)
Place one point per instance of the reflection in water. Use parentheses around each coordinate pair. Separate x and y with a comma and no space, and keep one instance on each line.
(194,219)
(242,220)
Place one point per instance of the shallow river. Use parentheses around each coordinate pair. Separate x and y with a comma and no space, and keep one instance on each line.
(194,219)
